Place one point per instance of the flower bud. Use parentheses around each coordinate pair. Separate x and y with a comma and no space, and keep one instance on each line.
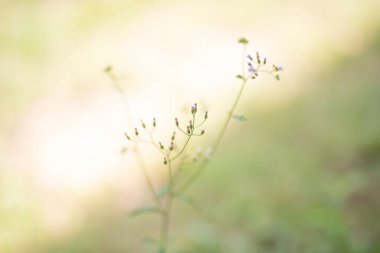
(143,124)
(202,132)
(136,132)
(176,122)
(165,161)
(161,146)
(127,136)
(154,122)
(206,115)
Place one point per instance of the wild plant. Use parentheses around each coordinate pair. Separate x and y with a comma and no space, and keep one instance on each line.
(175,154)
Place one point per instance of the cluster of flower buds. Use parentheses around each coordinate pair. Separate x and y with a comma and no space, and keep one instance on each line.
(191,130)
(256,63)
(194,109)
(192,126)
(136,130)
(172,142)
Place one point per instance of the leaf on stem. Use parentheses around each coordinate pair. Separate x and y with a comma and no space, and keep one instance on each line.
(189,201)
(144,210)
(240,118)
(243,41)
(150,240)
(163,191)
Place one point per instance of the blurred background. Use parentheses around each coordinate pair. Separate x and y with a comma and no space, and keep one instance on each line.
(300,175)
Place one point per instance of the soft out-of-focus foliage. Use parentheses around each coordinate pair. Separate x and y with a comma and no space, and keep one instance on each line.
(296,176)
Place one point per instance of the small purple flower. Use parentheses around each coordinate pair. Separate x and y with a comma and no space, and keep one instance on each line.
(251,69)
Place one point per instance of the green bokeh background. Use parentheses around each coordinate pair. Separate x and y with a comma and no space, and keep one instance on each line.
(300,176)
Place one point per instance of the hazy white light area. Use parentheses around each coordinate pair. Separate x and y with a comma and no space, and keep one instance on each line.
(69,135)
(167,56)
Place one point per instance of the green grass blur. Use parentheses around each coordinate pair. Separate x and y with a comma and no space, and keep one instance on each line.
(300,176)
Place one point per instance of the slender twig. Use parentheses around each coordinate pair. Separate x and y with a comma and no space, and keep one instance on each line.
(182,149)
(165,214)
(164,202)
(219,138)
(140,161)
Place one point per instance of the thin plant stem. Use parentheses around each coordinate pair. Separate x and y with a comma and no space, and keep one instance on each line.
(140,161)
(187,140)
(165,214)
(182,149)
(222,132)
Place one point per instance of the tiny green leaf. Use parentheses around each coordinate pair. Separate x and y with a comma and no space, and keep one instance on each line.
(243,41)
(240,77)
(189,201)
(150,240)
(163,191)
(144,210)
(239,118)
